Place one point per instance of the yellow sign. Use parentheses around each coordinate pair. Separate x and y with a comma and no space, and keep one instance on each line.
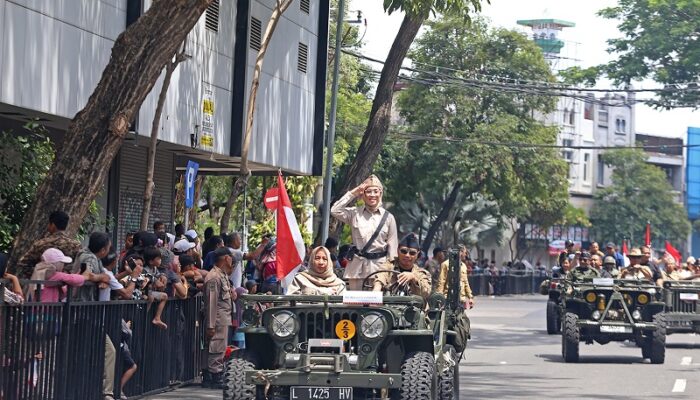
(208,106)
(345,329)
(207,140)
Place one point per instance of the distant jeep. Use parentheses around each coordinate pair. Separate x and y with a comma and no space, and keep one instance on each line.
(682,306)
(550,288)
(603,310)
(362,345)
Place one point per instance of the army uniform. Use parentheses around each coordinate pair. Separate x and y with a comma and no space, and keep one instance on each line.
(465,292)
(58,240)
(218,308)
(422,286)
(579,274)
(363,223)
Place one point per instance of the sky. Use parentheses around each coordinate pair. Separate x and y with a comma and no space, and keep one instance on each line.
(585,42)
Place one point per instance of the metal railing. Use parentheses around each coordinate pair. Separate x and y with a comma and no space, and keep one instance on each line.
(57,350)
(484,284)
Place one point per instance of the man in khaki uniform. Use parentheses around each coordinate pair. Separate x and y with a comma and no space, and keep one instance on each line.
(411,277)
(465,293)
(364,221)
(217,316)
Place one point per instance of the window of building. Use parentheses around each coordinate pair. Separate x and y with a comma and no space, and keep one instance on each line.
(601,170)
(255,33)
(602,117)
(565,117)
(567,153)
(303,58)
(670,173)
(572,116)
(211,19)
(304,6)
(586,166)
(620,125)
(493,256)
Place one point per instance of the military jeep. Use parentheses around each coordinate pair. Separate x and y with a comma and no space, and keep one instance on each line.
(682,313)
(603,310)
(551,289)
(346,347)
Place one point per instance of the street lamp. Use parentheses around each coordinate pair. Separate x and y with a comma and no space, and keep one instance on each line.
(330,141)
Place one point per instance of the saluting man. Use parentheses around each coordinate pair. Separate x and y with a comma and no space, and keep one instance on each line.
(412,277)
(373,229)
(218,308)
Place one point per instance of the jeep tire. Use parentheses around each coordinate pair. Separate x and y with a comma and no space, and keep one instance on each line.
(553,322)
(570,338)
(235,387)
(657,341)
(448,381)
(418,378)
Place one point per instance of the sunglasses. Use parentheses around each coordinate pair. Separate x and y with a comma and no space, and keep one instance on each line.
(408,251)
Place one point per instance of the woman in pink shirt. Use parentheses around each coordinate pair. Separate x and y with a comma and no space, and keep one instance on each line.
(51,269)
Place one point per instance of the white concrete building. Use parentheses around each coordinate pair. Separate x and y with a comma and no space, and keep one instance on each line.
(52,54)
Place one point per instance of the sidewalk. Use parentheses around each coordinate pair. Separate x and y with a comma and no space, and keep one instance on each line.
(194,392)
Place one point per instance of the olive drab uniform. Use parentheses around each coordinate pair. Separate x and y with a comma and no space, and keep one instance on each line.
(579,274)
(422,287)
(465,292)
(217,315)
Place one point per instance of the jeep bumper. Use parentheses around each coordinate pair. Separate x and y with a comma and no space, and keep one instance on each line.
(323,379)
(616,327)
(682,322)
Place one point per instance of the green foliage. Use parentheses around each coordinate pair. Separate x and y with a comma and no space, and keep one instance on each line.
(660,41)
(424,8)
(457,125)
(25,159)
(574,216)
(580,76)
(639,193)
(260,220)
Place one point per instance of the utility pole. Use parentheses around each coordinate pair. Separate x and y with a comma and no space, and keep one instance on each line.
(330,141)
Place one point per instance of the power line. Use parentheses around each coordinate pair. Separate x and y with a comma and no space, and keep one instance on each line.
(418,137)
(536,85)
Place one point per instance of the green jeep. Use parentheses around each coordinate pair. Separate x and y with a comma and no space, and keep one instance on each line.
(682,310)
(324,347)
(550,288)
(605,310)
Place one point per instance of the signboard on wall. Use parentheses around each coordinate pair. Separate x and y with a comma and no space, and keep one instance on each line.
(206,139)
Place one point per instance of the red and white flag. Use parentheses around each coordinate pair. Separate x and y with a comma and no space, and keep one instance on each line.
(290,245)
(647,235)
(673,252)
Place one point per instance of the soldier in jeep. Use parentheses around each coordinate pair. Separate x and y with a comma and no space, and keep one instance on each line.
(583,270)
(404,271)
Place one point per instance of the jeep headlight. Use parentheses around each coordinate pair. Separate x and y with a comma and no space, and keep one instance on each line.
(283,324)
(372,326)
(643,298)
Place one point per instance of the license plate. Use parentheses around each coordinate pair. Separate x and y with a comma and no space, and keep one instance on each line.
(615,329)
(689,296)
(320,393)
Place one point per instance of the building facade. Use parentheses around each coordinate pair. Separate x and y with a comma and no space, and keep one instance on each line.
(52,55)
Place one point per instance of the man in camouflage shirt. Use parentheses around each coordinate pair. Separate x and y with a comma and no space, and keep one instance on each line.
(56,238)
(583,270)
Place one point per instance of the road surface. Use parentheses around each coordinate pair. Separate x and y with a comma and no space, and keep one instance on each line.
(512,357)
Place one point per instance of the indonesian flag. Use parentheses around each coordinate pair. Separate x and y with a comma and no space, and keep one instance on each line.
(673,252)
(625,251)
(290,246)
(647,235)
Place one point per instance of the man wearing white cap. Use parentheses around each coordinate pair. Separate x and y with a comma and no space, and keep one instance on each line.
(373,229)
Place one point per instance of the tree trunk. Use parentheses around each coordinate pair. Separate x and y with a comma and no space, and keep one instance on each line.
(239,184)
(379,117)
(98,130)
(151,163)
(441,217)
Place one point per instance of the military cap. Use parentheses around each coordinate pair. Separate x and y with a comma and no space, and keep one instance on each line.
(609,260)
(410,240)
(372,180)
(585,255)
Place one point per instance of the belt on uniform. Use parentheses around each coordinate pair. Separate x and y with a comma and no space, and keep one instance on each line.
(372,256)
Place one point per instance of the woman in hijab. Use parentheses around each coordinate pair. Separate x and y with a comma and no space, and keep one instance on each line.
(319,279)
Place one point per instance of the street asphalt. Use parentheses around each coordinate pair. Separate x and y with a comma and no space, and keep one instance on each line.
(512,356)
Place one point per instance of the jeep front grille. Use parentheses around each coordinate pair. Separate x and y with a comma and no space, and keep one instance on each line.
(314,325)
(683,306)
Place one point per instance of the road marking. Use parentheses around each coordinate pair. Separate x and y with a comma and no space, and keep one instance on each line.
(679,386)
(686,360)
